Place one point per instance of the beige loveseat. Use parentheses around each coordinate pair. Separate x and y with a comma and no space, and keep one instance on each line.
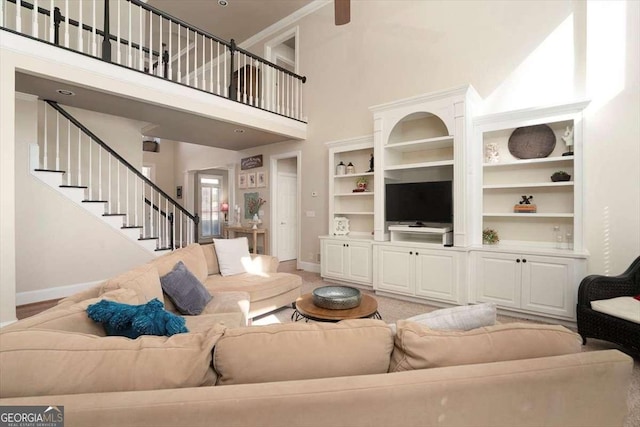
(353,373)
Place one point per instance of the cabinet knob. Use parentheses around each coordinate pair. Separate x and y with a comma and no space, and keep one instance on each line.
(524,260)
(411,253)
(518,260)
(417,253)
(347,245)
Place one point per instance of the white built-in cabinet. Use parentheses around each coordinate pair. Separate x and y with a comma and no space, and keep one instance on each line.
(420,272)
(346,259)
(536,267)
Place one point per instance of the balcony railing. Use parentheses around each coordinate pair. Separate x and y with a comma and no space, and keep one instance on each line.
(140,37)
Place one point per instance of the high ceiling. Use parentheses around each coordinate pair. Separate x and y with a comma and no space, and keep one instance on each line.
(239,20)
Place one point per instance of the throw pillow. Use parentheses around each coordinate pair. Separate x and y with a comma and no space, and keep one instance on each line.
(185,290)
(464,317)
(233,255)
(418,347)
(145,280)
(134,320)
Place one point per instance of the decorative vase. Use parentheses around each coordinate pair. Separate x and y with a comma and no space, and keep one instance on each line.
(350,168)
(341,169)
(255,221)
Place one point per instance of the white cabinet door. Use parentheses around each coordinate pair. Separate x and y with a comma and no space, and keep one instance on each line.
(436,275)
(334,259)
(359,258)
(547,285)
(498,278)
(395,269)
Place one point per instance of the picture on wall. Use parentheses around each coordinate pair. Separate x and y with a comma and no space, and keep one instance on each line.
(262,179)
(242,180)
(251,180)
(248,197)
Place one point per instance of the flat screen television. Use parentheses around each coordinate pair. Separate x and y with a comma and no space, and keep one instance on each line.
(419,203)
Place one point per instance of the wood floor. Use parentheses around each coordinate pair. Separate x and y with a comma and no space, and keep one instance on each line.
(28,310)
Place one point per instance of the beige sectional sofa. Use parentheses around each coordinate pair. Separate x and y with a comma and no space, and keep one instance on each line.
(351,373)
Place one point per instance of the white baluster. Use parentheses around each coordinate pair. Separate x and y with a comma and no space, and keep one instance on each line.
(66,23)
(170,59)
(90,168)
(179,57)
(301,89)
(2,13)
(126,171)
(94,31)
(118,50)
(210,66)
(110,193)
(150,42)
(34,25)
(195,59)
(46,140)
(160,65)
(57,140)
(245,93)
(51,26)
(140,58)
(79,157)
(151,212)
(166,221)
(226,87)
(135,201)
(204,50)
(159,229)
(130,37)
(188,49)
(181,222)
(218,68)
(262,84)
(80,33)
(250,81)
(68,153)
(119,209)
(100,172)
(19,16)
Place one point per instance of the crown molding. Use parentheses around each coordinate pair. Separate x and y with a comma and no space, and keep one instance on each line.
(284,22)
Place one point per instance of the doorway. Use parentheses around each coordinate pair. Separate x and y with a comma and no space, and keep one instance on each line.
(285,191)
(282,51)
(211,191)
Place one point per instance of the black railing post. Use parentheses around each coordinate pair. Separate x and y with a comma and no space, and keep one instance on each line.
(165,61)
(196,221)
(232,83)
(57,18)
(106,41)
(171,243)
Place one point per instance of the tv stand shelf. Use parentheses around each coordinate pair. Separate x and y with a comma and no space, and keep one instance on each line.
(406,233)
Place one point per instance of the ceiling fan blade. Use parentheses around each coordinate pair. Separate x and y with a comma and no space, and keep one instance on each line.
(342,11)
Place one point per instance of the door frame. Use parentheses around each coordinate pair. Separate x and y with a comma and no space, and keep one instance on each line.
(273,171)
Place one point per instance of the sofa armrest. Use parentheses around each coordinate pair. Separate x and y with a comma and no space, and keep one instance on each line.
(268,263)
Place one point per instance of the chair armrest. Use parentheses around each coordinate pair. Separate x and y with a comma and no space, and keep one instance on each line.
(269,263)
(597,287)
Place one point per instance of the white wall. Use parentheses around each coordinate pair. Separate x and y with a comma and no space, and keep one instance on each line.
(516,54)
(58,243)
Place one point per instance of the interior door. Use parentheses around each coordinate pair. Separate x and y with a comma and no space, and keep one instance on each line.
(286,221)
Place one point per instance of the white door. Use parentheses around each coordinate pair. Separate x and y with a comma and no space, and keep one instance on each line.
(546,285)
(286,218)
(436,275)
(334,253)
(359,259)
(498,278)
(395,269)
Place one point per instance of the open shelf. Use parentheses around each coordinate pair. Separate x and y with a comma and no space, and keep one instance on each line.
(528,215)
(530,161)
(352,213)
(352,175)
(420,165)
(528,185)
(356,194)
(422,144)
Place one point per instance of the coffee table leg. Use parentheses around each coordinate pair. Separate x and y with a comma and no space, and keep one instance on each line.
(296,316)
(376,315)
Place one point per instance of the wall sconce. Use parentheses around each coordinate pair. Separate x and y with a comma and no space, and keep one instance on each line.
(224,207)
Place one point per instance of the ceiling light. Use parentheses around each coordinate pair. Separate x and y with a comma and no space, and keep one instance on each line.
(223,3)
(238,130)
(65,92)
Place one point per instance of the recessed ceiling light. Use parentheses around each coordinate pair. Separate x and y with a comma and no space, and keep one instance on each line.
(238,130)
(65,92)
(223,3)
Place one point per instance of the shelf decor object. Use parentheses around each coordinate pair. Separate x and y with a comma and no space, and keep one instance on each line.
(525,206)
(532,142)
(568,141)
(341,168)
(336,297)
(560,176)
(351,169)
(492,153)
(490,236)
(340,226)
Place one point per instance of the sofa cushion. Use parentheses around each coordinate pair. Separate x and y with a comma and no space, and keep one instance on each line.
(259,287)
(463,318)
(418,347)
(73,317)
(212,259)
(185,290)
(627,308)
(38,363)
(192,256)
(297,351)
(232,255)
(144,280)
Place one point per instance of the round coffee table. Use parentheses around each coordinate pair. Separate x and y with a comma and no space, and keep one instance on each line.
(305,309)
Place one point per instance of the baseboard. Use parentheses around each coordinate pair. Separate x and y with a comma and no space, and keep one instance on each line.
(7,323)
(309,266)
(30,297)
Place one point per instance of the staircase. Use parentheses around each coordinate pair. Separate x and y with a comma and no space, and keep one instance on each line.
(75,162)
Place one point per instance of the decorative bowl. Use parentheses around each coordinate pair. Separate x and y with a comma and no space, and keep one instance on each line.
(336,297)
(560,176)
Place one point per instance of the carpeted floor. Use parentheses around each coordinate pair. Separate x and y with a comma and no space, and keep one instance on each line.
(393,309)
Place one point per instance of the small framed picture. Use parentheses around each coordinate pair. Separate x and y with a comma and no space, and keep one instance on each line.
(251,180)
(340,226)
(242,180)
(262,179)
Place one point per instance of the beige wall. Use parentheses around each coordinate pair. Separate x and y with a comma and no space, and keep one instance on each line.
(516,54)
(57,242)
(164,166)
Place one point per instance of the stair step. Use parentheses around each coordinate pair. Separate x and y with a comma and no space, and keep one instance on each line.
(148,238)
(114,214)
(130,226)
(49,170)
(95,201)
(74,186)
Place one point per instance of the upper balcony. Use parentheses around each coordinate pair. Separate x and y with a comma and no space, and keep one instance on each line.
(166,68)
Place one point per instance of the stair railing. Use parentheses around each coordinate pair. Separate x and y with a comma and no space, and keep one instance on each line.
(151,41)
(88,162)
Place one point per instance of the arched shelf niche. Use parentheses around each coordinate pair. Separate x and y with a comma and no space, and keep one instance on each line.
(418,126)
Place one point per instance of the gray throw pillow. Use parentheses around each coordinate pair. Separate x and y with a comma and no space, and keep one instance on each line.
(185,290)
